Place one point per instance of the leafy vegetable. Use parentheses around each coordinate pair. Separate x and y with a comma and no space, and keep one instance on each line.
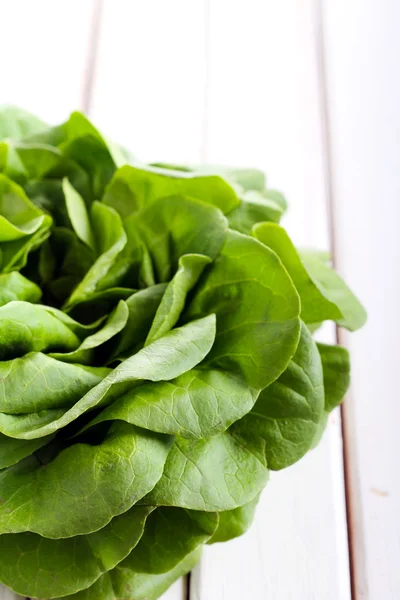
(287,413)
(156,359)
(235,522)
(68,565)
(17,123)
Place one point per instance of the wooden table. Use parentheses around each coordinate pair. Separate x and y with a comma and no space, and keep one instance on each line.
(310,92)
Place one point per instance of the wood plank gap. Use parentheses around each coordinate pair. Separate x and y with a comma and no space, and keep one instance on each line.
(187,586)
(359,582)
(92,55)
(351,487)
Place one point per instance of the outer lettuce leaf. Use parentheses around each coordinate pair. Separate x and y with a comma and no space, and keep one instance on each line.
(155,553)
(166,358)
(143,586)
(324,295)
(336,368)
(125,584)
(219,473)
(315,306)
(333,286)
(155,563)
(196,405)
(69,497)
(234,523)
(257,310)
(36,382)
(287,414)
(47,568)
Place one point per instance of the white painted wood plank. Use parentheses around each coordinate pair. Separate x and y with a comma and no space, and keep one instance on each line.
(149,89)
(362,66)
(177,591)
(264,109)
(44,50)
(6,594)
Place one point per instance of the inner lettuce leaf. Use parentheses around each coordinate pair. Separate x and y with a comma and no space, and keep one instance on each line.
(156,359)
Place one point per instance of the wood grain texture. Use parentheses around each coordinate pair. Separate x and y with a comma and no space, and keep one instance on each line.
(362,64)
(264,109)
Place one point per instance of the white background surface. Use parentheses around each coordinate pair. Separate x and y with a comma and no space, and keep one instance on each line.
(309,91)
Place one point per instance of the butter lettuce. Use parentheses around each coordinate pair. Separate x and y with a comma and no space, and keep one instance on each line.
(156,360)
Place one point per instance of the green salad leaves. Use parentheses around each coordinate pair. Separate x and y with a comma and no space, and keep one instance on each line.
(156,359)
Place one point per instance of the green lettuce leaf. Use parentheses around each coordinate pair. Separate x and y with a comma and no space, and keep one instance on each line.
(287,414)
(125,584)
(234,523)
(36,381)
(219,473)
(334,288)
(14,286)
(17,123)
(13,450)
(47,568)
(315,306)
(336,369)
(155,553)
(23,226)
(166,358)
(134,188)
(198,404)
(254,207)
(257,310)
(110,237)
(69,497)
(173,301)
